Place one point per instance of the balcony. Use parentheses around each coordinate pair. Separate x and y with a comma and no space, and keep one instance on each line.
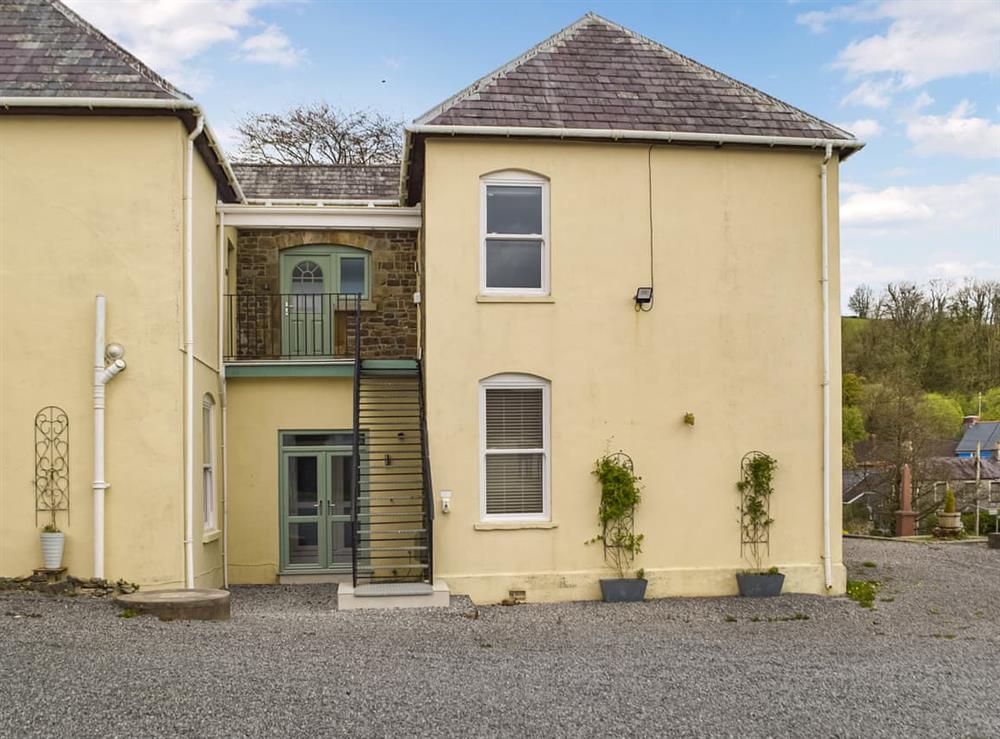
(289,327)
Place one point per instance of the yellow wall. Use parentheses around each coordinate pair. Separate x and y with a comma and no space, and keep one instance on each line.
(208,563)
(258,409)
(92,205)
(734,337)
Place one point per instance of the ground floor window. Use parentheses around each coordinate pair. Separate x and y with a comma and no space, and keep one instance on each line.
(514,446)
(208,462)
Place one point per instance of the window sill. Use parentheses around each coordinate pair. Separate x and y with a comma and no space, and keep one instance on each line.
(514,525)
(368,305)
(209,536)
(515,299)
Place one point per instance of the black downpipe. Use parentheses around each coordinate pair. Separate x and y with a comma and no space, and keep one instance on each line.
(355,487)
(428,487)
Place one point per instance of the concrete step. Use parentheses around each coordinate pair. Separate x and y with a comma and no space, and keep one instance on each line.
(200,604)
(393,595)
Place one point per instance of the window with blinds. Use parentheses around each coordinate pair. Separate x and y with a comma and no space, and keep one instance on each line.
(515,440)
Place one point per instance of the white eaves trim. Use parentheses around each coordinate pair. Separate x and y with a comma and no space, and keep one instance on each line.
(92,103)
(680,137)
(320,202)
(321,217)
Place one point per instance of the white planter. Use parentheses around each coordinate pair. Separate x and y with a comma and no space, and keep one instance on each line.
(52,550)
(950,521)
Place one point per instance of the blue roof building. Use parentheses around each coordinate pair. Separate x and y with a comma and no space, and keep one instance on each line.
(986,435)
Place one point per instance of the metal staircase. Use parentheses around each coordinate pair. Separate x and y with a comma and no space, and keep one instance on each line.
(393,506)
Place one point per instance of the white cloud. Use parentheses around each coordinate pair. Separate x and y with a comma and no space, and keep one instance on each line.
(972,203)
(865,128)
(928,40)
(819,21)
(957,132)
(871,94)
(168,34)
(270,46)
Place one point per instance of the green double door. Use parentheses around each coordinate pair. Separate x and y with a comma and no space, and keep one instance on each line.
(316,532)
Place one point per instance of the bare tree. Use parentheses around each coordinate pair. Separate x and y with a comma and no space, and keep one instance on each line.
(862,302)
(320,134)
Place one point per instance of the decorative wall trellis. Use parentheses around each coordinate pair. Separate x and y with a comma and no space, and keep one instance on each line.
(624,528)
(750,535)
(51,462)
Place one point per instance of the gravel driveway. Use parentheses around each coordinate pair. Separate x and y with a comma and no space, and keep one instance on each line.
(924,662)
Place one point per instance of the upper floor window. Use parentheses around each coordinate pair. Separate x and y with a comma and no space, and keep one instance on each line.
(514,256)
(514,439)
(208,462)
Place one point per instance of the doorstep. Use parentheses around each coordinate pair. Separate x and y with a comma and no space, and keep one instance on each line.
(393,595)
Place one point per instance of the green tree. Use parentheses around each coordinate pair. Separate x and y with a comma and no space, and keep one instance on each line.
(991,404)
(853,425)
(941,415)
(852,389)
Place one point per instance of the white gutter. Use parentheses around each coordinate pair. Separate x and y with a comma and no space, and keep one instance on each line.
(718,139)
(189,356)
(320,202)
(825,287)
(92,103)
(309,216)
(102,376)
(223,400)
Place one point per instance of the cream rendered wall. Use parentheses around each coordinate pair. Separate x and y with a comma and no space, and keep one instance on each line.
(92,205)
(258,409)
(205,243)
(734,337)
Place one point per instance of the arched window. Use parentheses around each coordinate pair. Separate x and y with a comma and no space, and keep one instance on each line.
(514,230)
(514,447)
(307,278)
(326,268)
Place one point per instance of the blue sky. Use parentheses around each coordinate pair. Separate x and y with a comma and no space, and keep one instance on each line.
(919,81)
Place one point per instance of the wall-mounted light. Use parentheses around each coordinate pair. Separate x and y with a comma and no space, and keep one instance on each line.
(388,460)
(643,297)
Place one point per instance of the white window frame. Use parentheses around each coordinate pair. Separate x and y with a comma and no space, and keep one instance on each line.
(514,178)
(208,463)
(517,382)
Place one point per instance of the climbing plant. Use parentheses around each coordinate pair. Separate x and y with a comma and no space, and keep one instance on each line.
(755,488)
(620,494)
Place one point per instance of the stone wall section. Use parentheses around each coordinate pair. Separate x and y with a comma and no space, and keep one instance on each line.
(388,319)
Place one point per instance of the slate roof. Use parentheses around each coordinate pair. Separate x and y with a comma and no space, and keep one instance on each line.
(595,74)
(318,181)
(987,432)
(47,50)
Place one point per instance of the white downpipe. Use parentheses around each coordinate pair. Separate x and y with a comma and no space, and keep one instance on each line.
(102,376)
(825,286)
(223,400)
(189,357)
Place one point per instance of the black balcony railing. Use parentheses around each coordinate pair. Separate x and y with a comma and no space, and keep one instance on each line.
(282,326)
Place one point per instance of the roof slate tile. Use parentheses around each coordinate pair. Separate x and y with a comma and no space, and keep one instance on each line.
(318,181)
(595,74)
(47,50)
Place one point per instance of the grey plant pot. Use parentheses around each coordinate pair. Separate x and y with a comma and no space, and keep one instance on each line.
(759,584)
(625,590)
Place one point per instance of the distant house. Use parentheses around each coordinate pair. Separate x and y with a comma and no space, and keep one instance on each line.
(982,434)
(868,491)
